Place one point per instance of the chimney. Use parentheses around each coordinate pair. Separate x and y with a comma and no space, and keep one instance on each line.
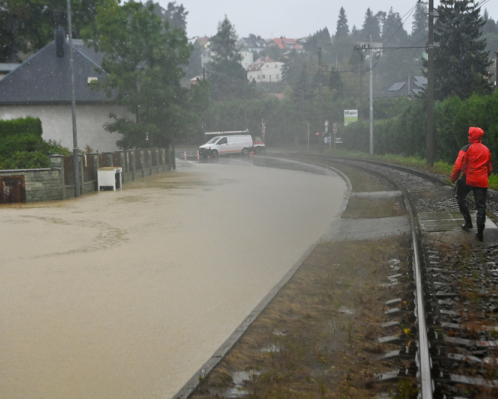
(59,42)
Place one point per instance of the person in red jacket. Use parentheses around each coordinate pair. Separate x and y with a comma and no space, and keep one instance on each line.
(474,163)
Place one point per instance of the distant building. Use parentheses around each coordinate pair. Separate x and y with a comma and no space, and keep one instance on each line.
(205,57)
(247,58)
(411,87)
(207,54)
(286,44)
(253,43)
(265,69)
(203,41)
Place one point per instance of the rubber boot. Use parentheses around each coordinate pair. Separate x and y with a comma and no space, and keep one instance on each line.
(464,210)
(468,223)
(480,233)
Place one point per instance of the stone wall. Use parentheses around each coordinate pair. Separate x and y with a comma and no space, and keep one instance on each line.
(56,183)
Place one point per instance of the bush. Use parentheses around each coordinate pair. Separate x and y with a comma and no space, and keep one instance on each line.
(27,160)
(27,125)
(22,146)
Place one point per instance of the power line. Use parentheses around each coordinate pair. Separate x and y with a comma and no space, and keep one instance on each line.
(407,15)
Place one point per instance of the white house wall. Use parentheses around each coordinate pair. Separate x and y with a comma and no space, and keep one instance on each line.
(269,72)
(57,123)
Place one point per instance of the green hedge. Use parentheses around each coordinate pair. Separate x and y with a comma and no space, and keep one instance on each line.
(405,134)
(27,125)
(22,146)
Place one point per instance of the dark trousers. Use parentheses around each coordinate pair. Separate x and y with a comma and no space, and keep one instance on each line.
(480,199)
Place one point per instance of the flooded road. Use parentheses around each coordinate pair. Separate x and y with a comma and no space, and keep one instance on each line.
(126,294)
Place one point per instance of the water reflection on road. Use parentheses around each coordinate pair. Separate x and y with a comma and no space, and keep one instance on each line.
(268,162)
(126,294)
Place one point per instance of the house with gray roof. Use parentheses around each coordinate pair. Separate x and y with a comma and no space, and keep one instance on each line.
(253,43)
(411,87)
(41,87)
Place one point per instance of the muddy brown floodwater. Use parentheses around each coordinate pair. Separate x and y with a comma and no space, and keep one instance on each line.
(126,294)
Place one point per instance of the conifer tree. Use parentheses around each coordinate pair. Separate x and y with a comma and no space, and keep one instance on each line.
(393,31)
(335,84)
(227,76)
(371,26)
(420,25)
(460,60)
(342,29)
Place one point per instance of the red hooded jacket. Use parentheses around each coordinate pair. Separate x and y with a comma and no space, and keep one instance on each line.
(474,161)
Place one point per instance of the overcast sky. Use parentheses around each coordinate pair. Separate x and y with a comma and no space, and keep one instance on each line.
(291,18)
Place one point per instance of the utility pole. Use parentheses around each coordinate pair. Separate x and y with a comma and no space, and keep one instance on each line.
(320,110)
(430,88)
(362,50)
(362,57)
(496,71)
(73,106)
(371,101)
(245,101)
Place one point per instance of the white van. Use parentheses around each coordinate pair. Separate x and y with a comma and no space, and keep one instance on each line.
(230,144)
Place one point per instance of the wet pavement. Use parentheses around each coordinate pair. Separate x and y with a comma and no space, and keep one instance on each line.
(126,294)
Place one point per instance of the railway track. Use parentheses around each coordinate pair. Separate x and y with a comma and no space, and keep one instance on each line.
(450,304)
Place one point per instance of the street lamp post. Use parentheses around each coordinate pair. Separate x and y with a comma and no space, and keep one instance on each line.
(430,87)
(371,102)
(73,106)
(327,129)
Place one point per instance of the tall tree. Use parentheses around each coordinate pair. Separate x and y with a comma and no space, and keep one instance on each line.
(335,84)
(420,30)
(143,57)
(393,32)
(371,26)
(490,25)
(320,39)
(177,16)
(342,28)
(28,25)
(226,74)
(460,61)
(490,33)
(420,25)
(292,68)
(174,14)
(195,61)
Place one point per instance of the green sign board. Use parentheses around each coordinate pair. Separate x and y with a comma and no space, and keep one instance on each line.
(350,116)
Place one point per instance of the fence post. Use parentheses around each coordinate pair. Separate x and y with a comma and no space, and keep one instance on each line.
(133,164)
(82,176)
(142,162)
(57,163)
